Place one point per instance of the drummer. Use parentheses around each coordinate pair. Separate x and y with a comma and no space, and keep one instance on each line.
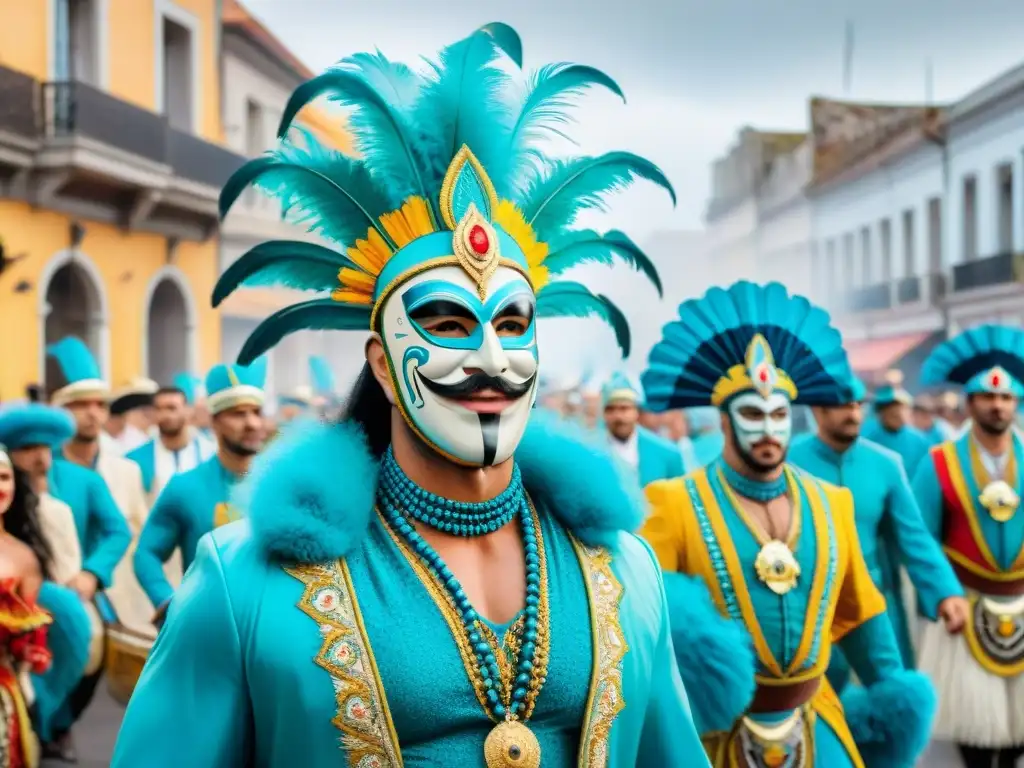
(195,502)
(31,433)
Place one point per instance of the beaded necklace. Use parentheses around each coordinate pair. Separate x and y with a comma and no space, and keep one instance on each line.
(757,490)
(510,702)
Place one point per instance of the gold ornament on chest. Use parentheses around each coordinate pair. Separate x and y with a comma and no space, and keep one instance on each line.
(776,567)
(511,744)
(999,500)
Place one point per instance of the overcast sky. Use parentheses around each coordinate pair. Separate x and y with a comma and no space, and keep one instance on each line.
(694,71)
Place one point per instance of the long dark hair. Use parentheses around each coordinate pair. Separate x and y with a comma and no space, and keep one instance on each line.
(368,407)
(22,521)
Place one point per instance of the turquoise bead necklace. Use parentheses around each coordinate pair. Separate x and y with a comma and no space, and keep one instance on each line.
(756,490)
(401,502)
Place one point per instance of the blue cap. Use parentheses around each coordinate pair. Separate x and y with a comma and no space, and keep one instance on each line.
(35,424)
(891,392)
(620,388)
(188,384)
(228,386)
(82,377)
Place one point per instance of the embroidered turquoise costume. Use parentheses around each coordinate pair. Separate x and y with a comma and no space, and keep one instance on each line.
(752,351)
(197,501)
(889,526)
(324,629)
(970,501)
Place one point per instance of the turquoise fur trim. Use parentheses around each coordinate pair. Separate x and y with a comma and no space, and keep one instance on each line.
(715,654)
(891,721)
(435,246)
(714,551)
(310,495)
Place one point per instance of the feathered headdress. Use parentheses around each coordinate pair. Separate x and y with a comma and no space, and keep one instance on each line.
(448,173)
(746,338)
(81,374)
(988,358)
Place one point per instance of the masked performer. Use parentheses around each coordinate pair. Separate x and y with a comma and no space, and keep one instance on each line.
(889,523)
(198,501)
(440,602)
(777,548)
(969,492)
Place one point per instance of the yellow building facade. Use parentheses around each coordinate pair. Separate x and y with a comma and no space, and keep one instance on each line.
(111,161)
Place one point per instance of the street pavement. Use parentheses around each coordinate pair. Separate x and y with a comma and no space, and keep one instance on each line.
(96,733)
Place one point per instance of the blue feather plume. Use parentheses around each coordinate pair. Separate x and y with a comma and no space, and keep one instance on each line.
(332,194)
(570,186)
(713,333)
(75,360)
(285,264)
(569,299)
(313,315)
(586,246)
(974,351)
(506,39)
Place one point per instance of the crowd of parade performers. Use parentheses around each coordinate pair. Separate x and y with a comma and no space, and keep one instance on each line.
(107,493)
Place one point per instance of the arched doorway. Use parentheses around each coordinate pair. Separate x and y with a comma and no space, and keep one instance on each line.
(73,307)
(169,329)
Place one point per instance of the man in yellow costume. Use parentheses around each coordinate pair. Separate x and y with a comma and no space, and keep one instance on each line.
(776,548)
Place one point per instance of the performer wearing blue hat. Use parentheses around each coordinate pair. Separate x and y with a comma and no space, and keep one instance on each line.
(197,501)
(969,491)
(403,590)
(890,426)
(889,524)
(32,433)
(86,396)
(777,548)
(649,455)
(177,447)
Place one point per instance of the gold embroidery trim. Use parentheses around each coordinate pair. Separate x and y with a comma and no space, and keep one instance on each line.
(605,701)
(362,716)
(509,644)
(956,477)
(984,659)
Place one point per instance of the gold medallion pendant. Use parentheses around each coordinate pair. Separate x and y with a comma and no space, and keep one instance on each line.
(510,744)
(776,567)
(999,500)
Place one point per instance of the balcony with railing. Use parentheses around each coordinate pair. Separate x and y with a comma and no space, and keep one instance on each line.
(990,272)
(18,125)
(97,156)
(870,298)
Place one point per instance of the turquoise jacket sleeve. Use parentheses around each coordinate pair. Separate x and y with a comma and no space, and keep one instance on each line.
(928,495)
(108,534)
(191,706)
(872,650)
(669,734)
(927,566)
(160,536)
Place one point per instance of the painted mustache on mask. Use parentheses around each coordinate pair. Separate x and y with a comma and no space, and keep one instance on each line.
(477,382)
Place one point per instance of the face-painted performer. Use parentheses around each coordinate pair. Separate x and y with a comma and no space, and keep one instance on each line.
(777,549)
(440,578)
(889,525)
(969,491)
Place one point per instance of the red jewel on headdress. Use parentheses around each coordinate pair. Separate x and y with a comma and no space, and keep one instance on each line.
(995,380)
(478,240)
(763,376)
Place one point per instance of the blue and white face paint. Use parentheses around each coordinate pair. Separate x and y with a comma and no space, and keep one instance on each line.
(487,344)
(751,430)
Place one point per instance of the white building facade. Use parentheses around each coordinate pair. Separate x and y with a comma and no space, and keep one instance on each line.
(782,239)
(259,77)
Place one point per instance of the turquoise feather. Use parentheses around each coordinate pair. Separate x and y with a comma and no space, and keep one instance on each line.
(507,39)
(315,315)
(569,299)
(713,332)
(321,375)
(583,246)
(286,264)
(570,186)
(331,193)
(974,351)
(75,360)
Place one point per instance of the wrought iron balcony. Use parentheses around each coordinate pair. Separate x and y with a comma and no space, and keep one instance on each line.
(870,298)
(908,290)
(197,160)
(18,95)
(999,269)
(73,109)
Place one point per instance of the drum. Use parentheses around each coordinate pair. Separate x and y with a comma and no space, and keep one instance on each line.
(127,650)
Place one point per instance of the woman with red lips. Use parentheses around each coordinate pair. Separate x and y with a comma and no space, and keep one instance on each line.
(25,557)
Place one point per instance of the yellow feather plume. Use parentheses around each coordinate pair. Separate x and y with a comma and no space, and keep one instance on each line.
(512,221)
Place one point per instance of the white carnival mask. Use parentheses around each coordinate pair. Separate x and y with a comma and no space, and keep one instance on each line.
(490,343)
(751,430)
